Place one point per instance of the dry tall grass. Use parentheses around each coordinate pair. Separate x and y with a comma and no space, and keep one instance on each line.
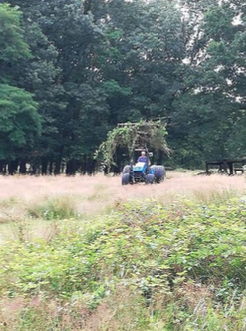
(92,194)
(61,197)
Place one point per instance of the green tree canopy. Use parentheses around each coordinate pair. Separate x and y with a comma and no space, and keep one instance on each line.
(19,121)
(12,44)
(92,64)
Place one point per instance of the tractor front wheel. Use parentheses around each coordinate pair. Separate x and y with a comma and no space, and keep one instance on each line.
(125,180)
(127,169)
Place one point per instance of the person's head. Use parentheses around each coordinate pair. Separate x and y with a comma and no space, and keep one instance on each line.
(143,153)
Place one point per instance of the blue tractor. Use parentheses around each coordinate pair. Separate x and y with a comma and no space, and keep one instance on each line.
(142,172)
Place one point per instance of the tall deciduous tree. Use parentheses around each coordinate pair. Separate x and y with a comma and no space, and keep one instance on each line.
(19,120)
(91,64)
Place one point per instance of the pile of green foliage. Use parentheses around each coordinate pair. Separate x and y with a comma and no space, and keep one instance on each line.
(129,136)
(183,265)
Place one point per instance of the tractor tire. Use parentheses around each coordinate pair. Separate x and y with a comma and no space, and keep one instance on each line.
(150,179)
(159,172)
(125,180)
(127,169)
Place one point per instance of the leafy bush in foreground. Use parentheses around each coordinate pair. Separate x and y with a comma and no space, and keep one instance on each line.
(186,265)
(57,208)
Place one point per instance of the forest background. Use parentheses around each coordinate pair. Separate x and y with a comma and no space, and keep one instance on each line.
(71,70)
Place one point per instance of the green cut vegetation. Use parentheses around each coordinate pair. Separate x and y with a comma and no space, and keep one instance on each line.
(144,266)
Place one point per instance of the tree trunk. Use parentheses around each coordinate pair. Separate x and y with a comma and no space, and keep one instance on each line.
(58,167)
(51,167)
(44,167)
(23,167)
(90,167)
(71,167)
(13,167)
(1,166)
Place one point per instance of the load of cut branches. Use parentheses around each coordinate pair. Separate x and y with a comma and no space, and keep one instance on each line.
(131,136)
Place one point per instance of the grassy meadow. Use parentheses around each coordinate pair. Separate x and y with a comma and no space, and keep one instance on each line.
(87,254)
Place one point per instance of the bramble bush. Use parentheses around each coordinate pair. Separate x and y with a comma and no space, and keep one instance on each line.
(56,208)
(183,254)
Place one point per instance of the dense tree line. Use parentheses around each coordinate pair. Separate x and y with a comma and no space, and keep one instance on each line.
(70,70)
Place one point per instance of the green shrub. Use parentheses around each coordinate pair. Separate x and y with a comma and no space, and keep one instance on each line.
(187,262)
(54,208)
(151,248)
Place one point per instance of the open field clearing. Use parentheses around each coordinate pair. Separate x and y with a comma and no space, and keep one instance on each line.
(93,194)
(28,203)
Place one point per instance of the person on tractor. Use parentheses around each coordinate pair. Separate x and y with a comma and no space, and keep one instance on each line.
(144,158)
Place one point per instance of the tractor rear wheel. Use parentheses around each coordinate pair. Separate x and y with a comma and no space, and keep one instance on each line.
(159,173)
(150,179)
(125,180)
